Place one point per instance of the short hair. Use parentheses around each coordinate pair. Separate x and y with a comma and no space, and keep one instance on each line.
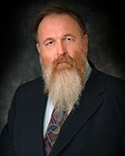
(56,9)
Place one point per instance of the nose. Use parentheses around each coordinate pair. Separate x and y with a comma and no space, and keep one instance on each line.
(61,49)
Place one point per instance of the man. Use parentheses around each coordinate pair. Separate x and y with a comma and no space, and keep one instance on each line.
(77,110)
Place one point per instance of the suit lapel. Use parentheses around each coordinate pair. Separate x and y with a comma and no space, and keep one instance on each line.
(37,109)
(43,101)
(89,103)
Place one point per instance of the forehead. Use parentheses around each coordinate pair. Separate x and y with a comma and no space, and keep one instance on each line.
(58,24)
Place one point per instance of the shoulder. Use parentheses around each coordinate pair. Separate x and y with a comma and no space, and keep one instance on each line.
(30,88)
(114,88)
(108,80)
(31,84)
(114,91)
(111,82)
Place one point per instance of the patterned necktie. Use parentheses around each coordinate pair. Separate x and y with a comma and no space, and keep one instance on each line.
(56,122)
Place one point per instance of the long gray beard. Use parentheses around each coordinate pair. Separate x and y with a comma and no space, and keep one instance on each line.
(64,89)
(64,84)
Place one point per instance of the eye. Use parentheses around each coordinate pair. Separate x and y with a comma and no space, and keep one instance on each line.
(49,43)
(68,39)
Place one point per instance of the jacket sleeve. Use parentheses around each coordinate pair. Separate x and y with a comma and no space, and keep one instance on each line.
(121,95)
(6,139)
(124,127)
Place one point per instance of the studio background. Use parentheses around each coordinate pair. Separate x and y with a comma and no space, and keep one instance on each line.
(19,60)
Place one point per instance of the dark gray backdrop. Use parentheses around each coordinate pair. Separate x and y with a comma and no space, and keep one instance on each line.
(19,61)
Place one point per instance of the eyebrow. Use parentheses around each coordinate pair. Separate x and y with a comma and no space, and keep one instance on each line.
(48,39)
(66,35)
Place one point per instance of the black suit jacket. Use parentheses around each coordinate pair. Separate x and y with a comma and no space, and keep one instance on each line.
(95,128)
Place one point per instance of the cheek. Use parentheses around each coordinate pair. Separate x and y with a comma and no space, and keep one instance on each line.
(46,57)
(74,52)
(77,47)
(71,51)
(48,54)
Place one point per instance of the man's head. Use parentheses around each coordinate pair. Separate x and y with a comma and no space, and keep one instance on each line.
(63,45)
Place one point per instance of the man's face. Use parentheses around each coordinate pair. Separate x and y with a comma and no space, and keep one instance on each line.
(63,53)
(60,35)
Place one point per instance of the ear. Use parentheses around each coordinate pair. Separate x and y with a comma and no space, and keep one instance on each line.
(86,42)
(38,47)
(86,39)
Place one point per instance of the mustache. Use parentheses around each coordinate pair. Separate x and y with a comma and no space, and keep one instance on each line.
(67,59)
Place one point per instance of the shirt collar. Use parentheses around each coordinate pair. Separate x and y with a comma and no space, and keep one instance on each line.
(88,71)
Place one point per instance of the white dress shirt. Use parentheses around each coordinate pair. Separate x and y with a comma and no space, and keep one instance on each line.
(50,107)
